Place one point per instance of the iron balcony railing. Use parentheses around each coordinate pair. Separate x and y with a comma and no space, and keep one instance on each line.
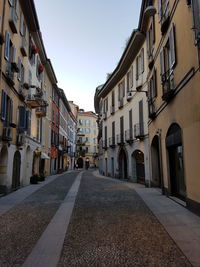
(129,135)
(120,139)
(168,85)
(139,130)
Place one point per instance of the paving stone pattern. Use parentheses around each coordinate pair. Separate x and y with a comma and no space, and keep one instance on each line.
(112,226)
(22,226)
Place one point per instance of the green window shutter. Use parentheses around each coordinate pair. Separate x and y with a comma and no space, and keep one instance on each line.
(162,66)
(22,118)
(3,105)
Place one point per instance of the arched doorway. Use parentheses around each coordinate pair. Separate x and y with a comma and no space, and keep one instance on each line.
(155,162)
(3,168)
(123,174)
(16,170)
(80,163)
(175,158)
(139,161)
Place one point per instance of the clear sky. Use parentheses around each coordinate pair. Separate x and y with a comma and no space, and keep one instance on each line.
(84,40)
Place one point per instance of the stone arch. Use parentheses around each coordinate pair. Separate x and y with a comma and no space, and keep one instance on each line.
(16,170)
(3,168)
(174,147)
(123,163)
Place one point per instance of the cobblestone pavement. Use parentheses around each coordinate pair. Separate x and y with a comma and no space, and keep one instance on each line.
(112,226)
(22,226)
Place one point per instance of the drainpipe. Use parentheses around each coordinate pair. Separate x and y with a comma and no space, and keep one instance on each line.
(160,161)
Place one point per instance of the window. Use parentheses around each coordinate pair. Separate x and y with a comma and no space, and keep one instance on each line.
(163,10)
(196,19)
(105,105)
(140,64)
(6,108)
(113,98)
(129,78)
(152,86)
(7,46)
(168,56)
(121,90)
(151,38)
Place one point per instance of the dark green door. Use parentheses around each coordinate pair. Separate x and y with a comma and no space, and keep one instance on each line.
(16,170)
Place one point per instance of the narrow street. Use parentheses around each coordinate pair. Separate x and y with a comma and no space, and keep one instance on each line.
(110,225)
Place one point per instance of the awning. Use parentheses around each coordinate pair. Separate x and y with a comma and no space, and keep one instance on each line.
(44,156)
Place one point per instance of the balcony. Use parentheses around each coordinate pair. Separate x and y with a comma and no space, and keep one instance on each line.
(121,103)
(7,134)
(24,47)
(9,74)
(152,109)
(13,20)
(34,98)
(165,17)
(105,116)
(41,111)
(129,96)
(20,140)
(139,130)
(129,135)
(112,110)
(168,85)
(150,10)
(112,141)
(22,94)
(139,82)
(120,139)
(105,146)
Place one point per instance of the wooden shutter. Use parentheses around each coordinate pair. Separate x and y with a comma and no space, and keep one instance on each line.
(13,54)
(148,44)
(3,105)
(162,63)
(7,47)
(172,46)
(19,66)
(154,84)
(22,118)
(113,98)
(10,110)
(141,119)
(130,119)
(159,10)
(22,25)
(123,88)
(137,68)
(131,73)
(142,60)
(196,19)
(113,129)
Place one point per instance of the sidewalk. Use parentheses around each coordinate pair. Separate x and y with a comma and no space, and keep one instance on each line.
(182,225)
(9,201)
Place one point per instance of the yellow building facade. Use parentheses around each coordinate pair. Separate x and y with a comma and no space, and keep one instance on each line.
(172,29)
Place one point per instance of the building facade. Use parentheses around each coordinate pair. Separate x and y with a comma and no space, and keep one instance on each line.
(87,132)
(123,115)
(174,97)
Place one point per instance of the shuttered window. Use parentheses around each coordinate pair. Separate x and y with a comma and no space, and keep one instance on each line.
(10,110)
(172,46)
(22,119)
(3,105)
(7,46)
(196,19)
(113,98)
(113,129)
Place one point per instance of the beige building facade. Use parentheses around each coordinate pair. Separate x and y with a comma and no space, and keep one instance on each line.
(86,146)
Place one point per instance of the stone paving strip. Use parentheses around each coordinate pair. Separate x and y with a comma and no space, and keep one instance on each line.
(9,201)
(48,248)
(112,226)
(22,225)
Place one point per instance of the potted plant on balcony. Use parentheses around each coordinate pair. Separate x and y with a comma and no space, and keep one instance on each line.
(40,68)
(34,49)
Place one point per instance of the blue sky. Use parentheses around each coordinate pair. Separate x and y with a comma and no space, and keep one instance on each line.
(84,40)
